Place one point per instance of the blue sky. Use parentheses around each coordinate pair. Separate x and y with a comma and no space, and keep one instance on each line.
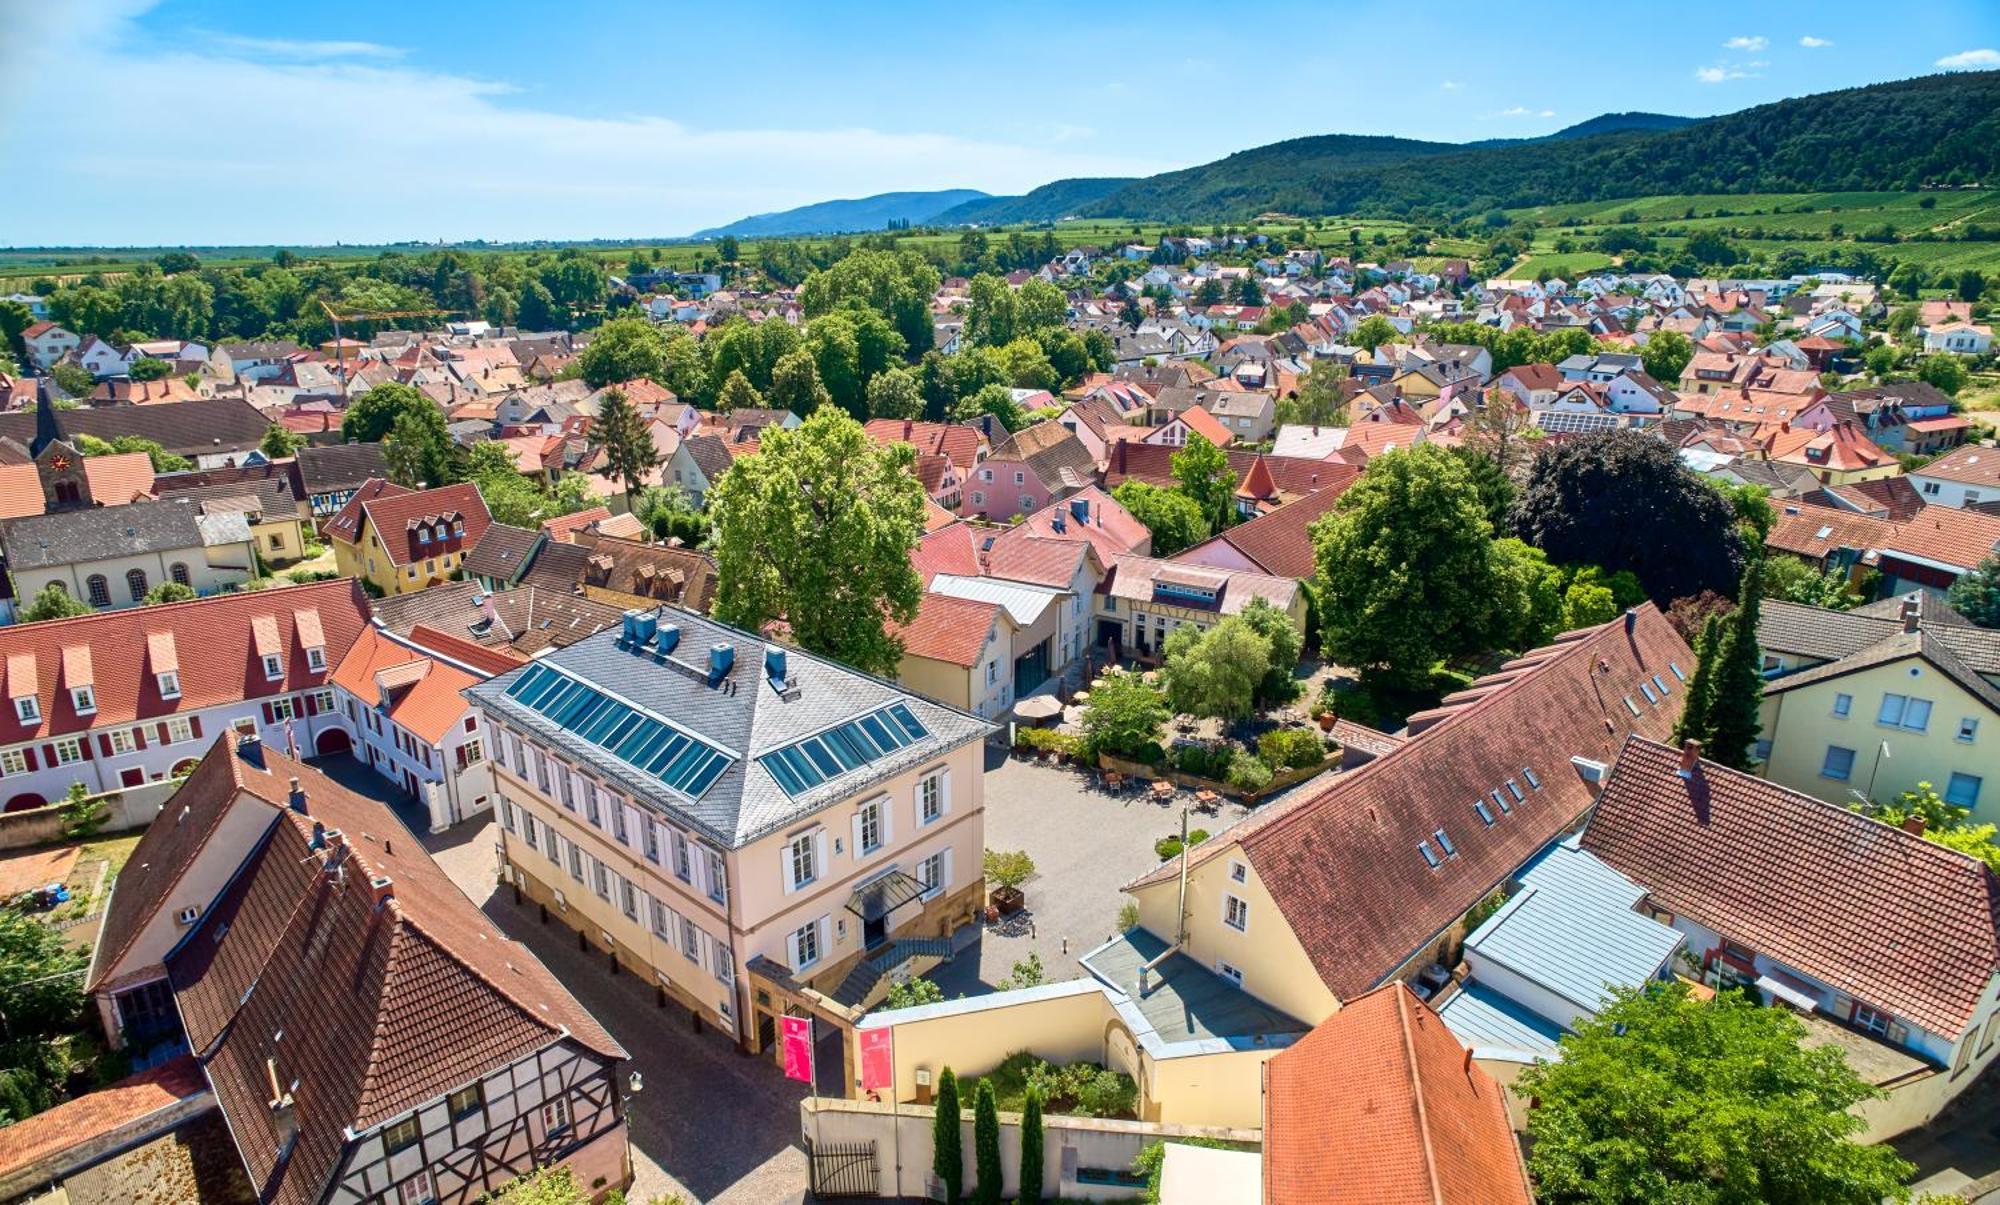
(203,121)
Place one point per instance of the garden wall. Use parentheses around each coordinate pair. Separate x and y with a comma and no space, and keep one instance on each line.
(1073,1148)
(125,809)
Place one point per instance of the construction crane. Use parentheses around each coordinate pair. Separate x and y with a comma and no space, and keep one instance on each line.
(340,348)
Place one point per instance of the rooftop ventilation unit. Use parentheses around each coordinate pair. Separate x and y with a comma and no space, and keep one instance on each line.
(721,658)
(666,638)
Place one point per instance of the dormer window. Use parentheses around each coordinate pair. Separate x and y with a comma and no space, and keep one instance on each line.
(274,668)
(169,684)
(84,699)
(316,658)
(423,535)
(458,527)
(28,709)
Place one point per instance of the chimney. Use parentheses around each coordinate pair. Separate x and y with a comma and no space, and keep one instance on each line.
(1631,619)
(298,796)
(1911,608)
(381,889)
(250,747)
(1690,758)
(1913,824)
(774,664)
(721,657)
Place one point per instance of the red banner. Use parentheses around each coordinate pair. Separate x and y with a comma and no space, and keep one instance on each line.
(797,1037)
(878,1059)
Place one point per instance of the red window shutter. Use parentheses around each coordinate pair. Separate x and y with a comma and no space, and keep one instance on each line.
(194,723)
(30,751)
(312,704)
(104,743)
(270,715)
(160,731)
(49,753)
(139,736)
(84,745)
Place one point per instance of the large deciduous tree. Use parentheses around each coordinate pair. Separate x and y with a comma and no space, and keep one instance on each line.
(816,529)
(1174,519)
(1406,565)
(1623,500)
(1663,1097)
(795,384)
(1666,353)
(624,349)
(1976,595)
(419,449)
(1216,672)
(1201,471)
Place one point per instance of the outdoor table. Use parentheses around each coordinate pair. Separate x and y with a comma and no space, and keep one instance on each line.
(1162,789)
(1113,779)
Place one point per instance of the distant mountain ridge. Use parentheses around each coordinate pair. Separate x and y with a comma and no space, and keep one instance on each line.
(849,216)
(1049,203)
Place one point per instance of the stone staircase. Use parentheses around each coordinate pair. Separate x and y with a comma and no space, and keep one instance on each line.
(863,983)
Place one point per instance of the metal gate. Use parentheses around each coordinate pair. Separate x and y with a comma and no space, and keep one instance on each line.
(844,1169)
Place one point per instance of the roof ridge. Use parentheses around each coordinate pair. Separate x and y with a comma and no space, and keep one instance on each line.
(1404,1022)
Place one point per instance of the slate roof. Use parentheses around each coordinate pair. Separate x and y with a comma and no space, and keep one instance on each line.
(1343,862)
(366,1009)
(1930,646)
(748,720)
(1380,1104)
(502,553)
(1825,635)
(339,467)
(270,480)
(197,427)
(102,533)
(525,619)
(271,497)
(1896,921)
(710,454)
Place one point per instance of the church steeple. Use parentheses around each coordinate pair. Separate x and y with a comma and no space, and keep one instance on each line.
(46,431)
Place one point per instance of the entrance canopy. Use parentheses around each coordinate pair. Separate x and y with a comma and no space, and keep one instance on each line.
(879,897)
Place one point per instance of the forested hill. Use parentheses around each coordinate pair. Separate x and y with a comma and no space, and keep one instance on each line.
(844,217)
(1940,129)
(1050,202)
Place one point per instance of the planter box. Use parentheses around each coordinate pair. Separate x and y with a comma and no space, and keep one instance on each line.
(1009,900)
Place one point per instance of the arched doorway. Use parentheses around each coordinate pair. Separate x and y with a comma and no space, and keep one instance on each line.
(331,741)
(25,801)
(185,766)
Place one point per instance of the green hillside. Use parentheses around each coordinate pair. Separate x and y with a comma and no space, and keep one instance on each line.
(1050,203)
(1940,129)
(860,214)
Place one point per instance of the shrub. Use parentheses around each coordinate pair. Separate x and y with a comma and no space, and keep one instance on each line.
(1248,773)
(1169,847)
(1205,761)
(82,815)
(1128,915)
(1150,754)
(306,576)
(1291,748)
(1008,867)
(912,992)
(1106,1093)
(1043,739)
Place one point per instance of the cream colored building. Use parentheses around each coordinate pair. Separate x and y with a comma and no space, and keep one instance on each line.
(753,829)
(1148,598)
(111,557)
(1860,705)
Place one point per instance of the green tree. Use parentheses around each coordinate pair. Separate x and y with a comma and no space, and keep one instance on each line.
(1945,823)
(986,1144)
(167,592)
(53,602)
(73,379)
(280,441)
(1201,472)
(795,384)
(1528,596)
(898,285)
(816,529)
(1587,604)
(913,992)
(1123,716)
(146,368)
(41,999)
(1943,370)
(996,400)
(1976,595)
(1216,672)
(371,416)
(1970,285)
(629,451)
(537,310)
(947,1151)
(1287,645)
(1739,681)
(895,393)
(1665,355)
(1174,519)
(1373,331)
(1696,720)
(1319,401)
(1662,1097)
(419,448)
(624,349)
(738,394)
(545,1186)
(1405,562)
(1793,580)
(1617,499)
(1030,1181)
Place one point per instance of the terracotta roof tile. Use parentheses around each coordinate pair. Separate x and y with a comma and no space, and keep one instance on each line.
(100,1114)
(425,701)
(1381,1104)
(952,630)
(1942,535)
(1896,921)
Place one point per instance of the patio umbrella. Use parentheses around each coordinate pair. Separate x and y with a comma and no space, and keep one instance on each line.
(1038,707)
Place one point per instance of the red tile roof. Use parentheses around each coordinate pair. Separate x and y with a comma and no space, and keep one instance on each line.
(1842,447)
(399,515)
(427,703)
(366,1009)
(1153,464)
(952,630)
(957,442)
(489,658)
(99,1114)
(952,549)
(1279,541)
(1941,535)
(1895,921)
(563,526)
(1381,1104)
(1343,863)
(1111,530)
(214,643)
(1035,559)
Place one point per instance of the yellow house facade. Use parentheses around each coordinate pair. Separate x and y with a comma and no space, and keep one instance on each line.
(400,540)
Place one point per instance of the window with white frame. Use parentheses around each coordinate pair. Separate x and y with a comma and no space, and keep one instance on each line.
(575,862)
(591,809)
(1904,711)
(802,859)
(600,879)
(541,761)
(284,708)
(84,699)
(13,761)
(871,827)
(563,780)
(179,729)
(555,1115)
(1868,1019)
(28,709)
(420,1189)
(68,749)
(718,878)
(619,830)
(322,701)
(805,946)
(652,842)
(1968,728)
(930,874)
(628,899)
(315,658)
(1236,913)
(690,940)
(683,868)
(121,740)
(930,797)
(663,919)
(274,666)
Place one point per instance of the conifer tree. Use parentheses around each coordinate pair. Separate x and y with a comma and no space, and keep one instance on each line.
(1739,680)
(629,453)
(1030,1190)
(947,1156)
(1694,721)
(986,1145)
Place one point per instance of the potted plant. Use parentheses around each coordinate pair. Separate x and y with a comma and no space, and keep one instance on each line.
(1007,870)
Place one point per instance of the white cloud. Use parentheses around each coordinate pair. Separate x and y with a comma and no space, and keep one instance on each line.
(1522,111)
(1970,60)
(1811,43)
(1730,71)
(1751,43)
(364,148)
(287,48)
(1451,85)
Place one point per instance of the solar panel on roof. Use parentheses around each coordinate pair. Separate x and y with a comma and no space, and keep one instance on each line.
(803,765)
(643,741)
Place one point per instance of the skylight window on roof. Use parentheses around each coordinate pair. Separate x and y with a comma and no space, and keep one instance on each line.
(803,765)
(1646,688)
(645,742)
(1444,843)
(1660,685)
(1513,789)
(1823,533)
(1678,675)
(1500,801)
(1430,855)
(1485,813)
(1534,784)
(1631,706)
